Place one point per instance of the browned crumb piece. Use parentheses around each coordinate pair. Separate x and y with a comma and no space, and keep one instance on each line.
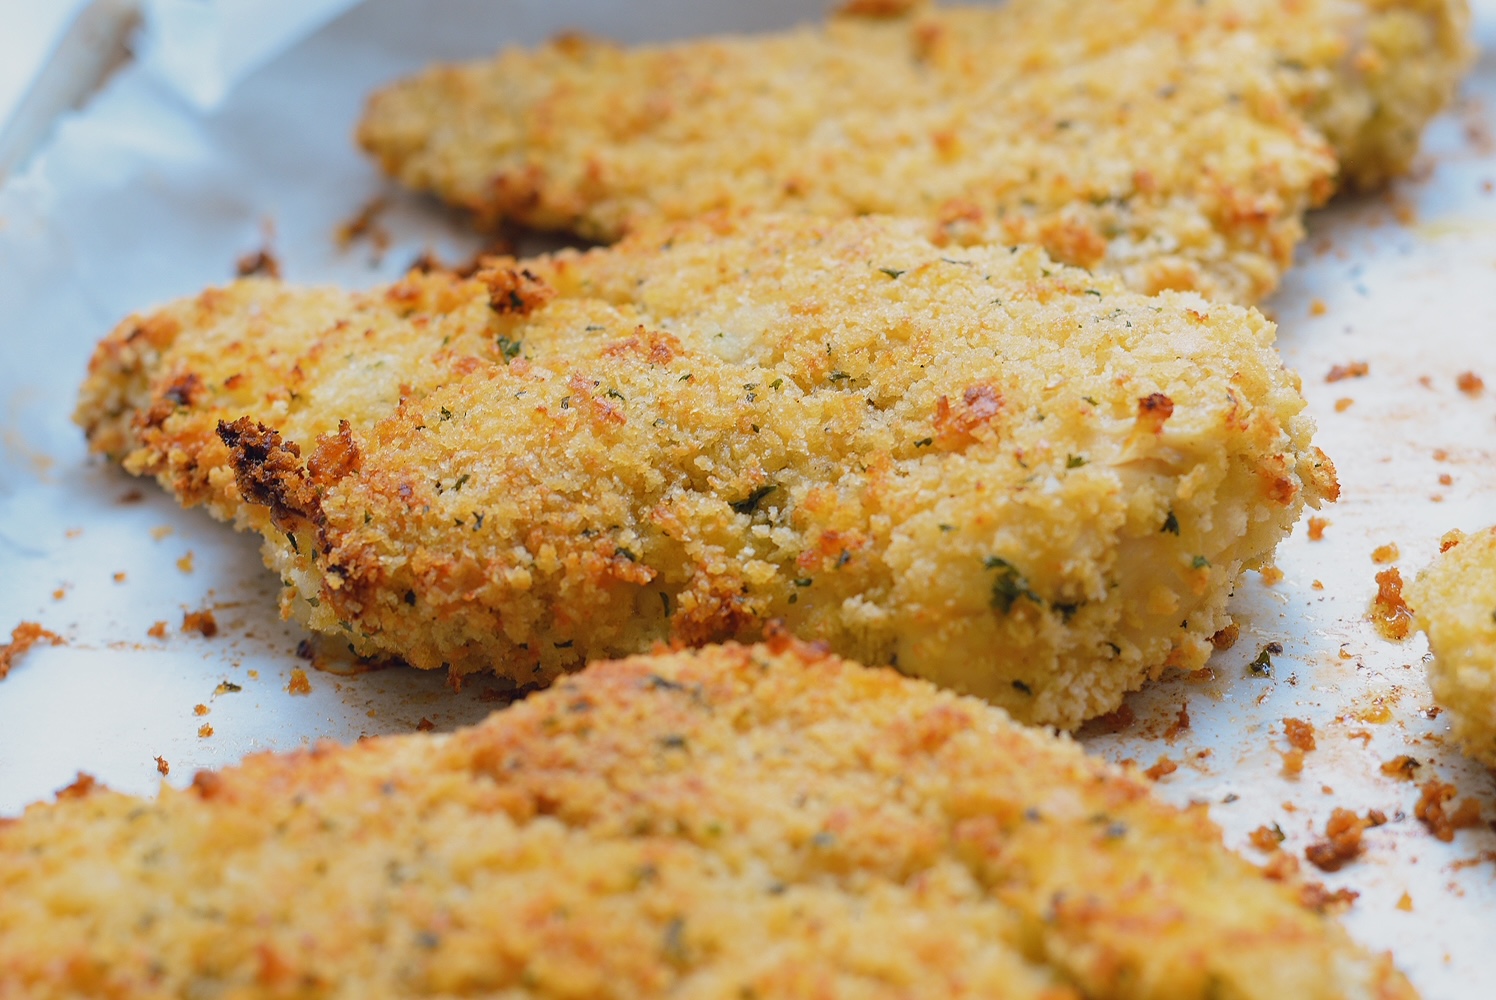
(200,709)
(1163,767)
(1430,810)
(59,593)
(1318,307)
(1321,900)
(261,263)
(366,224)
(226,687)
(1402,767)
(1470,383)
(1293,761)
(119,577)
(1180,724)
(82,786)
(157,631)
(1356,369)
(1300,733)
(1405,903)
(1317,526)
(1343,403)
(22,638)
(204,731)
(1117,721)
(1384,554)
(877,8)
(1342,841)
(425,725)
(201,622)
(1389,612)
(1266,838)
(1271,575)
(185,563)
(163,766)
(299,683)
(1445,479)
(1226,637)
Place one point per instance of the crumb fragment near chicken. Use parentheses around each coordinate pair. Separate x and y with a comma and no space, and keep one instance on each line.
(259,264)
(22,638)
(1226,637)
(202,622)
(1164,766)
(1384,554)
(1470,383)
(157,630)
(1300,736)
(1267,837)
(299,684)
(1389,611)
(1402,767)
(1434,796)
(1355,369)
(1343,841)
(163,767)
(1180,724)
(1317,526)
(204,731)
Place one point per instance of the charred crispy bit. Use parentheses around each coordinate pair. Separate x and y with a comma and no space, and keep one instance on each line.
(1455,603)
(1176,144)
(917,458)
(202,622)
(1402,767)
(630,832)
(22,638)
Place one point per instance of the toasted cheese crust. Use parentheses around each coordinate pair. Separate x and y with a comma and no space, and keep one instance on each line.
(739,821)
(1012,478)
(1174,143)
(1455,602)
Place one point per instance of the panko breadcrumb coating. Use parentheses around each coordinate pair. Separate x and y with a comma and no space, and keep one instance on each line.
(1176,143)
(734,822)
(1009,477)
(1455,602)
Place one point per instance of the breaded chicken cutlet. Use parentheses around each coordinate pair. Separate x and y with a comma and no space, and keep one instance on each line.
(734,822)
(1455,602)
(1176,143)
(1007,476)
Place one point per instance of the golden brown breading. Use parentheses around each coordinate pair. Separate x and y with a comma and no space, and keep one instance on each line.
(1176,143)
(735,822)
(1455,601)
(1006,476)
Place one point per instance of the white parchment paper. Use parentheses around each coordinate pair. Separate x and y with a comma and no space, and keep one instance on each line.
(144,196)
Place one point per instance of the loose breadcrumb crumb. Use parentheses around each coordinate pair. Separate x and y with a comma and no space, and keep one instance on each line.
(185,563)
(1389,611)
(1343,841)
(1317,526)
(1163,767)
(1403,767)
(163,766)
(1354,369)
(1470,383)
(202,622)
(1226,637)
(1434,794)
(157,630)
(22,638)
(299,683)
(204,731)
(1384,554)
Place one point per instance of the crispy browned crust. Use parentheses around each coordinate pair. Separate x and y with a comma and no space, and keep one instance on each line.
(1009,477)
(762,821)
(1176,143)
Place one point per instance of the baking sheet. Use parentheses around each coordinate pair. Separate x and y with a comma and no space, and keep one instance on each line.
(140,198)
